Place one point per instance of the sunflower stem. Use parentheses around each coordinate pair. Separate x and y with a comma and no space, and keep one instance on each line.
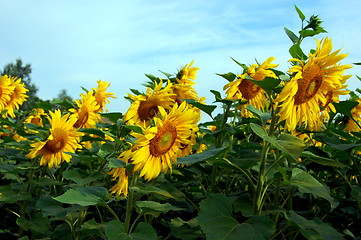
(130,204)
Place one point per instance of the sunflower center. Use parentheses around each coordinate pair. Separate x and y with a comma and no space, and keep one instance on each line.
(36,121)
(82,120)
(147,110)
(309,84)
(58,143)
(248,89)
(163,140)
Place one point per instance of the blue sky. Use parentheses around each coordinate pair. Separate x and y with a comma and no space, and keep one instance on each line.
(72,44)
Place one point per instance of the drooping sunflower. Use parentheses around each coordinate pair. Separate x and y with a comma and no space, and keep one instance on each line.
(302,97)
(17,97)
(102,96)
(6,89)
(87,111)
(158,147)
(245,90)
(120,174)
(63,138)
(351,125)
(186,74)
(145,107)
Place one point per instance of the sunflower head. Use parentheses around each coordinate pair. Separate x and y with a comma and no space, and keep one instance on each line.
(16,98)
(87,111)
(351,125)
(35,117)
(101,95)
(63,138)
(187,74)
(145,107)
(158,147)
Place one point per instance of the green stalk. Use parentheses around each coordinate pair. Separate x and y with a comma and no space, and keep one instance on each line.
(130,204)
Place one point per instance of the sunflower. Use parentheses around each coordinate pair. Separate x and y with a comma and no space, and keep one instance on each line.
(63,138)
(145,107)
(303,96)
(245,90)
(187,74)
(101,95)
(351,125)
(120,175)
(6,90)
(36,117)
(17,97)
(160,145)
(86,113)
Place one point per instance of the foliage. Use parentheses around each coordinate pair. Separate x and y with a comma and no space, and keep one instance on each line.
(243,175)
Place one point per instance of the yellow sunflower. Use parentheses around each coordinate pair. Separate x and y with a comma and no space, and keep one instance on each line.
(187,74)
(17,97)
(121,175)
(184,91)
(245,90)
(35,117)
(101,95)
(351,126)
(86,113)
(145,107)
(302,97)
(160,145)
(6,90)
(63,138)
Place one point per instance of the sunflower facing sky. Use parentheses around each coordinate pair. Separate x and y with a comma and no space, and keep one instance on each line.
(145,107)
(303,96)
(86,111)
(187,74)
(158,147)
(63,138)
(101,95)
(245,90)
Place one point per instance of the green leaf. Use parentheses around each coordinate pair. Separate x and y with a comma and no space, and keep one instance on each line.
(308,33)
(313,229)
(291,35)
(113,116)
(228,76)
(322,160)
(290,145)
(198,157)
(205,108)
(267,84)
(155,208)
(219,98)
(308,184)
(153,189)
(8,195)
(134,128)
(144,231)
(76,176)
(345,107)
(50,207)
(263,116)
(356,192)
(244,66)
(86,196)
(216,221)
(300,13)
(260,131)
(296,52)
(357,63)
(94,131)
(114,230)
(37,224)
(116,163)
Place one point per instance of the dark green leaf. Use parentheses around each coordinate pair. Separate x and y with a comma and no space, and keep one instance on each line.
(94,131)
(114,230)
(81,179)
(144,231)
(291,35)
(244,66)
(300,13)
(112,116)
(152,189)
(308,33)
(228,76)
(205,108)
(345,107)
(86,196)
(308,184)
(263,116)
(198,157)
(314,229)
(116,163)
(296,52)
(322,160)
(155,208)
(356,192)
(134,128)
(267,84)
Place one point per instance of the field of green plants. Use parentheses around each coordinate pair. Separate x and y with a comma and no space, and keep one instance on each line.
(279,159)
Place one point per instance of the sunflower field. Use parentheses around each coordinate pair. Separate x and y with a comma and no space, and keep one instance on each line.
(279,159)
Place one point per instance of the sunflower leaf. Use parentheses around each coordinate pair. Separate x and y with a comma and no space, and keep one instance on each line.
(345,107)
(85,196)
(228,76)
(267,84)
(205,108)
(300,13)
(296,52)
(291,35)
(198,157)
